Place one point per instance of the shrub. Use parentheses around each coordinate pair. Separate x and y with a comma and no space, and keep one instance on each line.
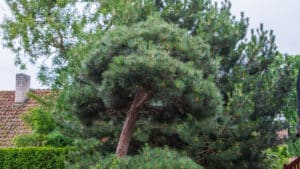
(29,140)
(276,157)
(150,159)
(32,158)
(294,148)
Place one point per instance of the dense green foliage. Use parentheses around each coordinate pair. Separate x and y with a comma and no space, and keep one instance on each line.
(253,93)
(45,131)
(214,94)
(149,159)
(290,108)
(294,148)
(163,60)
(277,156)
(32,158)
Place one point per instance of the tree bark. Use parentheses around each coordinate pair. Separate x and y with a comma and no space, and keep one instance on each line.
(298,104)
(139,101)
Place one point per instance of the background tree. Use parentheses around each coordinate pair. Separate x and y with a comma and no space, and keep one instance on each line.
(43,32)
(298,102)
(297,67)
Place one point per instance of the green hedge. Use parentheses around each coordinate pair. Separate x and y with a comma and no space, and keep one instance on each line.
(32,158)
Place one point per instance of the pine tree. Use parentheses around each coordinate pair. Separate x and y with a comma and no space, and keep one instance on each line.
(147,69)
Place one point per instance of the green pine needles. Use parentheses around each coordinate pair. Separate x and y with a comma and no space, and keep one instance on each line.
(161,59)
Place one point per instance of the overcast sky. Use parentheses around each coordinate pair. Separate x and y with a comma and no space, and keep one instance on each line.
(281,16)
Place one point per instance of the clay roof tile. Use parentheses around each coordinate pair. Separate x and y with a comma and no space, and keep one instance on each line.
(11,124)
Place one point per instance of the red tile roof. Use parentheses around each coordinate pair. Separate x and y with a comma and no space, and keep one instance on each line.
(11,124)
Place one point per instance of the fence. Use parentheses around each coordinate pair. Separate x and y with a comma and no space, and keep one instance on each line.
(295,164)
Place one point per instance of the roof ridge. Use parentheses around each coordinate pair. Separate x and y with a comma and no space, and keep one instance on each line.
(40,89)
(30,90)
(6,90)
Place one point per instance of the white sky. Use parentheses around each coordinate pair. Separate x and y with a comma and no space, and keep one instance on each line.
(281,16)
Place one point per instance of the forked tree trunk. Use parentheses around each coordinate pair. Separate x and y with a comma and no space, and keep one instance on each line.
(140,99)
(298,104)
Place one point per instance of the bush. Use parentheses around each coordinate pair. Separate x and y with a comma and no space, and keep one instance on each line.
(150,159)
(29,140)
(294,148)
(276,157)
(52,139)
(32,158)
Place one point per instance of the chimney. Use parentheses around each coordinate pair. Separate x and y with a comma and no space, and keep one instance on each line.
(22,87)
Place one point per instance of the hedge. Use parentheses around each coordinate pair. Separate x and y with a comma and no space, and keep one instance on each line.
(32,158)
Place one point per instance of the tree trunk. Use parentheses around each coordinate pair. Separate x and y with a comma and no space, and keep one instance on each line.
(298,104)
(140,99)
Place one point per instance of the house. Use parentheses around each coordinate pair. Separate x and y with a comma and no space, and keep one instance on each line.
(12,105)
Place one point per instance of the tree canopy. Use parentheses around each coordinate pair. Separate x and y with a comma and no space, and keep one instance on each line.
(163,62)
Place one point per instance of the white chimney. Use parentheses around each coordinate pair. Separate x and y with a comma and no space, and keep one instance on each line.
(22,87)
